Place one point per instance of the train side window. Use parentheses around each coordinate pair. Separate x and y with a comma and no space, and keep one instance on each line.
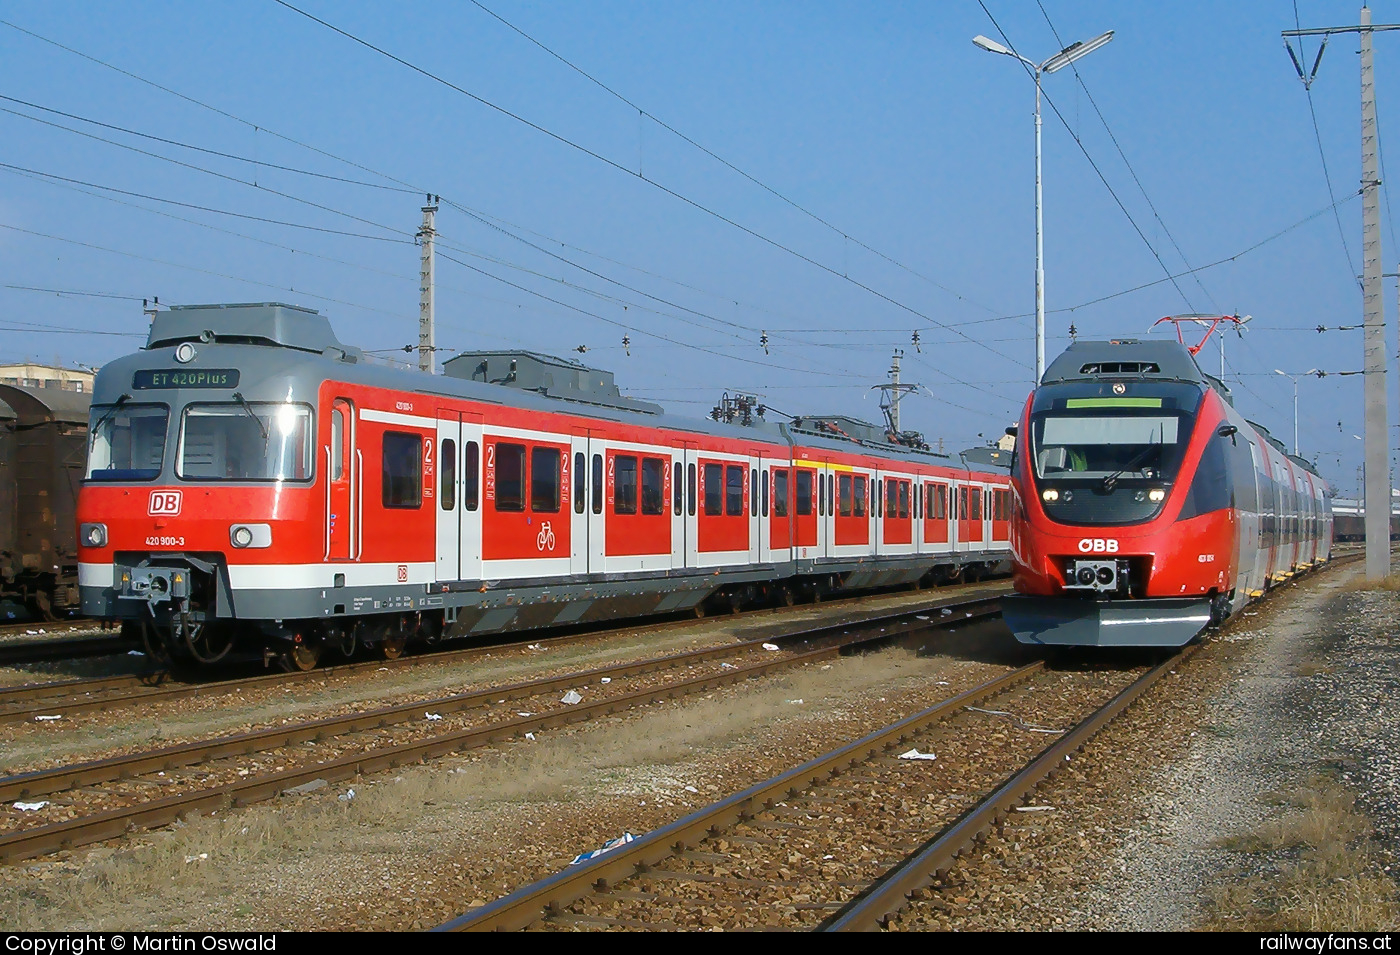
(804,492)
(753,492)
(676,487)
(690,489)
(579,492)
(780,492)
(892,498)
(903,498)
(976,502)
(448,494)
(544,480)
(765,493)
(624,484)
(845,504)
(962,503)
(403,470)
(714,489)
(734,490)
(653,486)
(510,477)
(821,494)
(337,443)
(860,495)
(597,484)
(831,494)
(471,475)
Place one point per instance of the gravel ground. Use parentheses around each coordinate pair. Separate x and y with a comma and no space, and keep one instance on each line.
(1136,839)
(1304,681)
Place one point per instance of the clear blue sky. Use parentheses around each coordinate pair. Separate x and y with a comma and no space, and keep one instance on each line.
(884,120)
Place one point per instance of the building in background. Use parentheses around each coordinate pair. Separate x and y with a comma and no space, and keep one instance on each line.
(47,376)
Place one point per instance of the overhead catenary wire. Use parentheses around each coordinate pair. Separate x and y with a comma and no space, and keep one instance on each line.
(1326,173)
(1094,165)
(642,111)
(693,203)
(1126,162)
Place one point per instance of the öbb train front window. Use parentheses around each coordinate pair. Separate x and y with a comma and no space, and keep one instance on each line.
(1107,467)
(245,441)
(127,442)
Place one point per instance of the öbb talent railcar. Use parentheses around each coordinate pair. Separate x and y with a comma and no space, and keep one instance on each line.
(253,485)
(1147,507)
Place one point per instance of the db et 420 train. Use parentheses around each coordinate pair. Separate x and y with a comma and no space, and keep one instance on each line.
(253,484)
(1146,506)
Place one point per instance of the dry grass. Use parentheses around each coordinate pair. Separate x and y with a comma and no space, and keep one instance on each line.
(1391,583)
(1318,872)
(211,858)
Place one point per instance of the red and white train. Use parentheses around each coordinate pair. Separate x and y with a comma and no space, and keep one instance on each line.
(253,485)
(1147,507)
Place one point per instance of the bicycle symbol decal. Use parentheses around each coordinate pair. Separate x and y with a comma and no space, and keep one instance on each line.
(545,540)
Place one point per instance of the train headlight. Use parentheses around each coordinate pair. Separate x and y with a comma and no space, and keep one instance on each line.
(1085,576)
(93,535)
(1157,495)
(185,352)
(1105,575)
(250,535)
(1050,494)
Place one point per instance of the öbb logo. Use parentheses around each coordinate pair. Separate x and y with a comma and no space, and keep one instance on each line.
(164,503)
(1098,545)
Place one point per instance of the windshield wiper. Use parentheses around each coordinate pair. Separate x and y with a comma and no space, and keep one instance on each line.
(97,428)
(1137,459)
(238,396)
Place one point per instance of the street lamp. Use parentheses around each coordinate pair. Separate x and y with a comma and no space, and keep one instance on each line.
(1057,62)
(1310,371)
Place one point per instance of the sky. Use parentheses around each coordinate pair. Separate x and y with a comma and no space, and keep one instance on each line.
(696,177)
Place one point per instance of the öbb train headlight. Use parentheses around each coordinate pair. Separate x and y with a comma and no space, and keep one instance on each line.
(1157,495)
(250,535)
(93,535)
(1050,494)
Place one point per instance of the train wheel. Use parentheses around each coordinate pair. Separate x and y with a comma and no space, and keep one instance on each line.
(302,656)
(394,644)
(786,596)
(700,610)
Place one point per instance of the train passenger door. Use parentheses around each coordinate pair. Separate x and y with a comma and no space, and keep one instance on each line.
(577,468)
(343,475)
(597,497)
(691,493)
(759,506)
(459,496)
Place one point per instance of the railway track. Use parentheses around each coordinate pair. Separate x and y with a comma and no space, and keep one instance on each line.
(18,652)
(839,842)
(102,799)
(68,698)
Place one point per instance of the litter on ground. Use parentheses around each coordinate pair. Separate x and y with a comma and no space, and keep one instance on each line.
(346,796)
(915,754)
(608,846)
(432,716)
(770,646)
(571,698)
(47,719)
(31,806)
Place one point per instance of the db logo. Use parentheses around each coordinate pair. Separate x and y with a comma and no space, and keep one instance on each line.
(165,503)
(1098,545)
(403,573)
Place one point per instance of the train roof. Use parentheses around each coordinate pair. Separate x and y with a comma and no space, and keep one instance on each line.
(257,323)
(45,404)
(1124,358)
(249,335)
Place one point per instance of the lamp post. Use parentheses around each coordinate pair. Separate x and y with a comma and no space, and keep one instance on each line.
(1057,62)
(1310,371)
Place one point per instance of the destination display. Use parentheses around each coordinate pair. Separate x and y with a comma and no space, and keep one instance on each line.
(148,378)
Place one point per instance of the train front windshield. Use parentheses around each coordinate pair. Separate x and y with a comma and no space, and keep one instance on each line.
(1108,460)
(245,441)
